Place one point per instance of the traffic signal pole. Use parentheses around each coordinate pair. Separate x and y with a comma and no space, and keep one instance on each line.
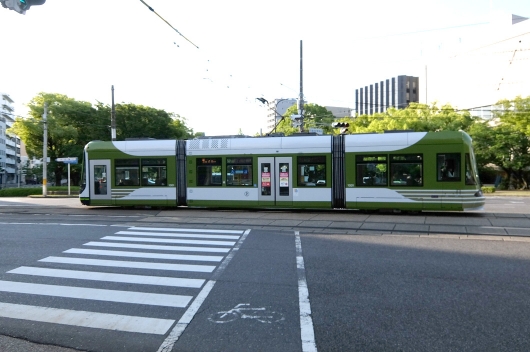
(45,151)
(301,97)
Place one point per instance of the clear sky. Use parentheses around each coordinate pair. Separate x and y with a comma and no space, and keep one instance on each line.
(247,49)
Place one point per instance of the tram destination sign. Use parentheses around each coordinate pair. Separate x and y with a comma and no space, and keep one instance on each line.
(71,160)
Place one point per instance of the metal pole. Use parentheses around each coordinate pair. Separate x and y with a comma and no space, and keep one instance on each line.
(45,151)
(301,98)
(68,178)
(113,118)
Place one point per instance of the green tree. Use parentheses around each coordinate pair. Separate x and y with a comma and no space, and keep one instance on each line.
(416,117)
(72,124)
(68,121)
(138,121)
(515,112)
(505,141)
(314,116)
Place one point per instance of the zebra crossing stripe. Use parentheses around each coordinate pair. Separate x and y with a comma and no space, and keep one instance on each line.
(154,299)
(110,277)
(86,319)
(127,264)
(134,228)
(158,247)
(186,235)
(199,258)
(163,240)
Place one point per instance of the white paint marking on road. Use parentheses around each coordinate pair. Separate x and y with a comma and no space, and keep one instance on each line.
(163,240)
(198,258)
(240,232)
(127,264)
(306,321)
(86,319)
(155,247)
(188,316)
(110,277)
(95,294)
(184,235)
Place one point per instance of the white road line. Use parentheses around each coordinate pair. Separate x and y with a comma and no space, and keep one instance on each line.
(99,276)
(185,235)
(163,240)
(163,248)
(240,232)
(86,319)
(306,321)
(198,258)
(127,264)
(188,316)
(95,294)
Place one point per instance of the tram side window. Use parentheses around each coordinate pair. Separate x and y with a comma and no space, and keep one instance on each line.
(406,170)
(154,172)
(470,174)
(127,172)
(449,167)
(311,171)
(239,172)
(371,170)
(209,172)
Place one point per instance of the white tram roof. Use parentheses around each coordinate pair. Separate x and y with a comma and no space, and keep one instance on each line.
(381,142)
(147,147)
(259,145)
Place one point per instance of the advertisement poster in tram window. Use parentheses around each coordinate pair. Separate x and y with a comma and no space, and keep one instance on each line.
(284,176)
(265,179)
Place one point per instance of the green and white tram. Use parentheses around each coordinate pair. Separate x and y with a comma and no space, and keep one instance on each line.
(401,170)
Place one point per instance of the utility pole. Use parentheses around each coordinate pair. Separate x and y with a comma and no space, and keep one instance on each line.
(45,150)
(301,98)
(113,118)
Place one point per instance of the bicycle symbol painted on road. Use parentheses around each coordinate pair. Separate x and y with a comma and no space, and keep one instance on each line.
(244,311)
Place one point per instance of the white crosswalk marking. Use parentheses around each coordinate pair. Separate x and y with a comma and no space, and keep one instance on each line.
(96,294)
(110,277)
(163,240)
(128,264)
(185,235)
(150,244)
(86,319)
(157,247)
(199,258)
(238,232)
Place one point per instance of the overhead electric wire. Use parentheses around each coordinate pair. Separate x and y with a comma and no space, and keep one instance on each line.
(150,8)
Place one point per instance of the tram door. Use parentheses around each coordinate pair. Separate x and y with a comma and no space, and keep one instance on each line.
(275,181)
(100,179)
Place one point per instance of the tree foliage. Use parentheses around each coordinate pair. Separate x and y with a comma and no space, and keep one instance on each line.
(71,124)
(416,117)
(314,116)
(505,141)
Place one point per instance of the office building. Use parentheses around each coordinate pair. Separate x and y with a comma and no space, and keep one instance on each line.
(9,143)
(395,92)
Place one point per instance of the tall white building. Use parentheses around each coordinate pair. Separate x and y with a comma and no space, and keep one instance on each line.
(277,109)
(9,143)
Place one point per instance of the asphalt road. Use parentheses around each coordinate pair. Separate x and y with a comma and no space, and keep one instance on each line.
(287,281)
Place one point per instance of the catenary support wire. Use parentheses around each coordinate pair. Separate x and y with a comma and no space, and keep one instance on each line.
(150,8)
